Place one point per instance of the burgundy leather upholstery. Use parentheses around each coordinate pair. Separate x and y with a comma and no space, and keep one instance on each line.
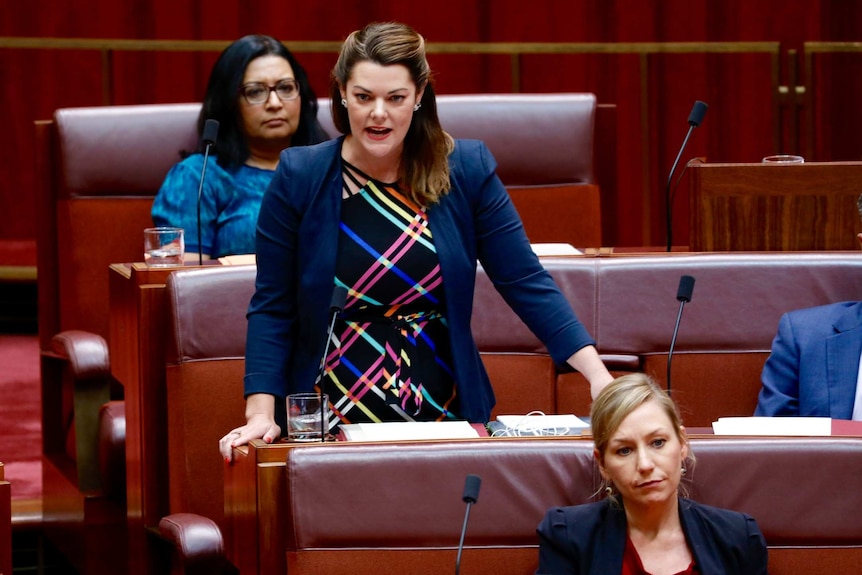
(85,386)
(342,508)
(522,478)
(198,541)
(205,366)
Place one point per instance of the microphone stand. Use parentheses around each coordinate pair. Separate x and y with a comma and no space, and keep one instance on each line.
(471,496)
(695,117)
(339,299)
(210,133)
(683,294)
(672,343)
(322,385)
(461,542)
(668,206)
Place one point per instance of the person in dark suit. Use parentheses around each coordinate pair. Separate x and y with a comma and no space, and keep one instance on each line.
(397,213)
(644,525)
(813,368)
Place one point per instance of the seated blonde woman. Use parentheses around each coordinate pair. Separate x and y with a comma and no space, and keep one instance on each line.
(644,525)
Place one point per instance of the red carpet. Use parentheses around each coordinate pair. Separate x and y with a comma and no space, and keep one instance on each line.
(20,415)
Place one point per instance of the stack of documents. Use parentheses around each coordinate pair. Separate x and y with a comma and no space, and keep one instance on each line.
(781,426)
(407,430)
(518,425)
(551,249)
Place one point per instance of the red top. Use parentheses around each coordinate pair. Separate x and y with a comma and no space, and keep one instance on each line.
(632,563)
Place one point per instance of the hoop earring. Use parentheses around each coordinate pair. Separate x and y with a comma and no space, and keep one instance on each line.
(609,490)
(683,471)
(344,102)
(417,106)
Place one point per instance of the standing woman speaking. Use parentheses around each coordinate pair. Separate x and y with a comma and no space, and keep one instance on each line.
(398,213)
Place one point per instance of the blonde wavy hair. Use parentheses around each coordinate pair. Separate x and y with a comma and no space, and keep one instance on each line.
(617,401)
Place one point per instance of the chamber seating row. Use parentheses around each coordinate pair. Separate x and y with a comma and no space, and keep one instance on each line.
(335,507)
(99,169)
(628,303)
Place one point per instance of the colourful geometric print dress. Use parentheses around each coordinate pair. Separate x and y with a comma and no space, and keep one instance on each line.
(389,357)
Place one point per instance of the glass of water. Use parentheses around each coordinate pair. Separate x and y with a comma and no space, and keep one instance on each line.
(303,416)
(164,247)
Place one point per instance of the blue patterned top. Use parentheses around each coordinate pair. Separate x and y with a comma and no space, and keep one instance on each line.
(230,202)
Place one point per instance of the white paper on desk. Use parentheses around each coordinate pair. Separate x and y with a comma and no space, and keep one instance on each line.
(238,260)
(551,249)
(408,430)
(772,426)
(534,422)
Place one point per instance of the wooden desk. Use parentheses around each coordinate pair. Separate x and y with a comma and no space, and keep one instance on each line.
(137,336)
(774,207)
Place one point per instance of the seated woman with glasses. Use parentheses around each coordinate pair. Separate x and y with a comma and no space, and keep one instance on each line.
(261,98)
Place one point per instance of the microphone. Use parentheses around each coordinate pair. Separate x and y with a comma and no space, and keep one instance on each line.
(208,139)
(336,304)
(698,111)
(683,295)
(471,496)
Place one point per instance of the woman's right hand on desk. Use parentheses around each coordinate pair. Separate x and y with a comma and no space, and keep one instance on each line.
(261,425)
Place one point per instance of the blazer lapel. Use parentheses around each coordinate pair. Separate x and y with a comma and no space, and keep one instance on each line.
(610,543)
(699,541)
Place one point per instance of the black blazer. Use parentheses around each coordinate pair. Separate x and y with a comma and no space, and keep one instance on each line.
(591,539)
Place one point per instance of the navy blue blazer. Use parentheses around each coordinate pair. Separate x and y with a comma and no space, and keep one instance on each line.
(297,242)
(814,363)
(590,539)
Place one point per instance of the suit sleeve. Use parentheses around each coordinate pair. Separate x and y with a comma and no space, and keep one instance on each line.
(272,311)
(556,555)
(779,394)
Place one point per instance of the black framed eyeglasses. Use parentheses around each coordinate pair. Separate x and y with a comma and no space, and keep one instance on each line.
(257,93)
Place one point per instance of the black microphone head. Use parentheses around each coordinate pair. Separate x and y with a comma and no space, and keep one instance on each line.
(686,287)
(471,488)
(698,111)
(210,132)
(339,298)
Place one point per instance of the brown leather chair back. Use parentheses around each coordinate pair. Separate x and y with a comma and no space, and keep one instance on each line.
(104,166)
(545,148)
(205,368)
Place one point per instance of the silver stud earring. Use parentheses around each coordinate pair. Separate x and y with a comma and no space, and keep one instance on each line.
(344,102)
(417,106)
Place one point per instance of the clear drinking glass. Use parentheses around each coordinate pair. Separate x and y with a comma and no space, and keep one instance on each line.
(164,247)
(303,416)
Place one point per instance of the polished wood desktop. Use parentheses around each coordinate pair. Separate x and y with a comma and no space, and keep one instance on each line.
(774,207)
